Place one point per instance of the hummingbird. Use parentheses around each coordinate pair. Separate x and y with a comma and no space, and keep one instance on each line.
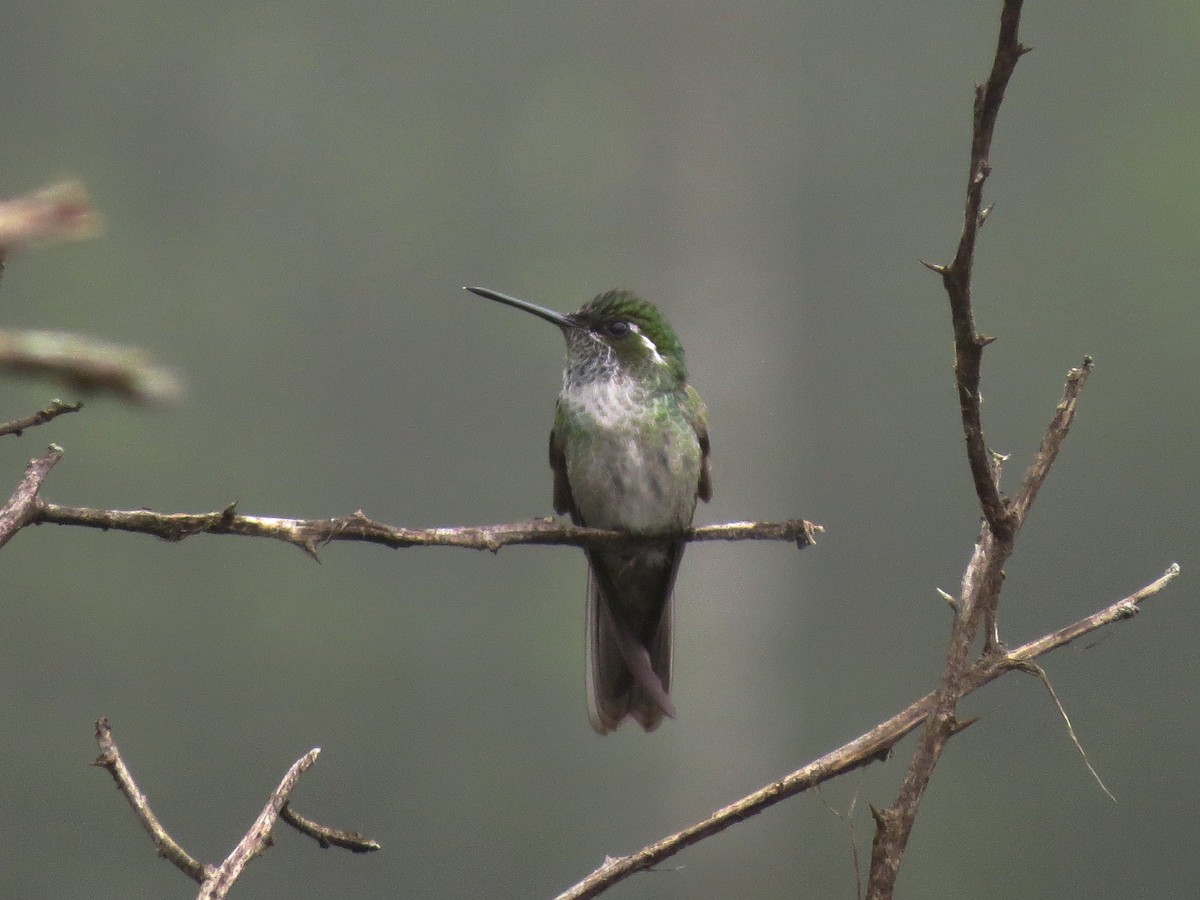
(629,451)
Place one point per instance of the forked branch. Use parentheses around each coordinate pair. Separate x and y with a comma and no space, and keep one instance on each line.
(984,576)
(22,506)
(215,881)
(874,745)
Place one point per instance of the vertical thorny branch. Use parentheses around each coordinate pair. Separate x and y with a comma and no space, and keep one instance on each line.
(1003,517)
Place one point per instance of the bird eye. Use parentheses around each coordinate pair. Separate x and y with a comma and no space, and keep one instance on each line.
(618,328)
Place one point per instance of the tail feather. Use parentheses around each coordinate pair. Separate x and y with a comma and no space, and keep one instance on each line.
(628,662)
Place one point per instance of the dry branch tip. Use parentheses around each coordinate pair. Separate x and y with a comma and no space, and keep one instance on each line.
(325,836)
(52,411)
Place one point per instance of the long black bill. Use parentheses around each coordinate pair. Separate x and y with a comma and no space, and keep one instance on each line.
(540,311)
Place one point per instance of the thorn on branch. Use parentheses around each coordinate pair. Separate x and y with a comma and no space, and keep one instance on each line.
(957,726)
(933,267)
(883,754)
(950,599)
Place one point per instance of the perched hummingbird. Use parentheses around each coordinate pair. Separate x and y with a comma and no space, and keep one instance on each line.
(629,451)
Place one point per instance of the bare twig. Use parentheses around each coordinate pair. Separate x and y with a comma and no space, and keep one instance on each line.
(310,534)
(88,365)
(41,417)
(325,836)
(22,506)
(167,847)
(869,747)
(1039,673)
(216,886)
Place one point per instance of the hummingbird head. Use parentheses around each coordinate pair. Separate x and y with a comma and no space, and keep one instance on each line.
(616,334)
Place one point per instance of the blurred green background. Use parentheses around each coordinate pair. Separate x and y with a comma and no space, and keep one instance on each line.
(294,194)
